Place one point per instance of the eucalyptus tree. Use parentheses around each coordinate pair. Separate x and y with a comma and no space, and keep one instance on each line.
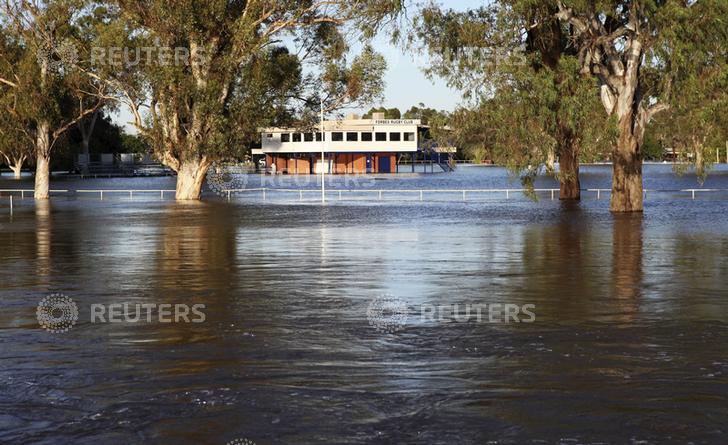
(16,139)
(639,51)
(197,75)
(529,107)
(16,136)
(49,93)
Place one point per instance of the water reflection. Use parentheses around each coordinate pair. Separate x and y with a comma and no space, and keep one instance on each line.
(627,263)
(43,246)
(287,355)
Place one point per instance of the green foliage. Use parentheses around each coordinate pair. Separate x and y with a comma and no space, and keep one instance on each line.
(238,77)
(529,104)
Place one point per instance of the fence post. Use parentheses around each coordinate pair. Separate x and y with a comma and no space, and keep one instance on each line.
(380,195)
(131,194)
(599,194)
(264,194)
(693,193)
(22,194)
(464,198)
(161,195)
(552,194)
(421,197)
(508,194)
(300,195)
(102,194)
(339,195)
(11,205)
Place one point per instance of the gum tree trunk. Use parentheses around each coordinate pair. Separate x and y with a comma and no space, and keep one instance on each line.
(627,191)
(17,166)
(569,175)
(190,178)
(43,161)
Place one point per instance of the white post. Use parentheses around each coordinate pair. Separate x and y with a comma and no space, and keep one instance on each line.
(323,154)
(11,205)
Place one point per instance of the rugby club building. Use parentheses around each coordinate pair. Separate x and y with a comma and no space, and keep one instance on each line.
(350,146)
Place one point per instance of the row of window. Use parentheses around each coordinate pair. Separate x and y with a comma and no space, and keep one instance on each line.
(338,136)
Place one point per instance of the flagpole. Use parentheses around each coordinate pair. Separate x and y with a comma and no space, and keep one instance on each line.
(323,154)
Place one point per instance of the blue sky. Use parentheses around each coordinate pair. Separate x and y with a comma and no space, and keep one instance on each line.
(406,84)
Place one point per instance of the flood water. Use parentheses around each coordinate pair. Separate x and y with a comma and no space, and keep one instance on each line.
(629,344)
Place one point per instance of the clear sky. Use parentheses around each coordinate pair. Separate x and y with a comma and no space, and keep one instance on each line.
(406,85)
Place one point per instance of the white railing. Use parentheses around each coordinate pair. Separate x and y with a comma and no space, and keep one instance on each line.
(381,193)
(23,192)
(129,192)
(364,194)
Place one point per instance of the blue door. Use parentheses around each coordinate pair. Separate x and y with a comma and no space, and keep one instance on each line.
(385,164)
(369,164)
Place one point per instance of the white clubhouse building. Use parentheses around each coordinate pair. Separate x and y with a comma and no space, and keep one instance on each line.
(352,145)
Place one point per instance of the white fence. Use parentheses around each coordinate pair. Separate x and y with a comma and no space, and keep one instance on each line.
(362,194)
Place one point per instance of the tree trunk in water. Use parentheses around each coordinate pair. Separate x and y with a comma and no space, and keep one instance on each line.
(627,191)
(17,166)
(190,178)
(569,174)
(43,161)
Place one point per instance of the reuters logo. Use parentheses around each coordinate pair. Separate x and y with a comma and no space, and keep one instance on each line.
(56,57)
(387,314)
(57,313)
(241,442)
(224,180)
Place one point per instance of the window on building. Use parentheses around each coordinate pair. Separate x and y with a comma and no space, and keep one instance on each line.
(296,137)
(366,137)
(381,137)
(395,137)
(269,135)
(308,137)
(318,137)
(352,137)
(286,137)
(337,136)
(409,137)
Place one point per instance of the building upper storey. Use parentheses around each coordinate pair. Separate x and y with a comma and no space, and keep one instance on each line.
(346,136)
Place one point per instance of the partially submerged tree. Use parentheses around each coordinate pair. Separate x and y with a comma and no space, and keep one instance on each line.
(16,140)
(191,91)
(50,93)
(530,106)
(637,50)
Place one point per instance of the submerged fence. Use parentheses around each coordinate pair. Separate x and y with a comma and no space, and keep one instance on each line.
(416,195)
